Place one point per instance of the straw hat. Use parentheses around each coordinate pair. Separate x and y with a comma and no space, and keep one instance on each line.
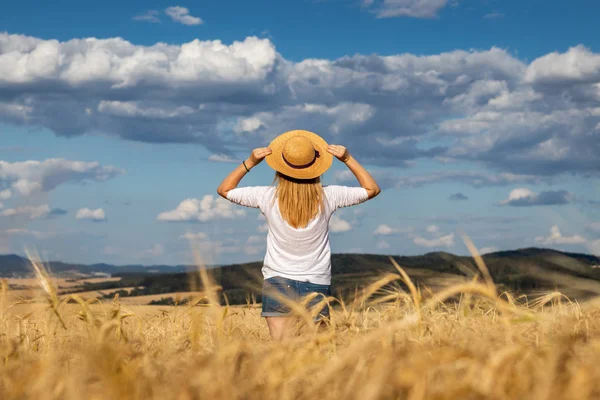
(299,154)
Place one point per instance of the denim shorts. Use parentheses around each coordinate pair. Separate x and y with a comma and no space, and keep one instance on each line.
(293,290)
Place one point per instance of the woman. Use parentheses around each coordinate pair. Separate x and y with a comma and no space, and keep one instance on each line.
(297,211)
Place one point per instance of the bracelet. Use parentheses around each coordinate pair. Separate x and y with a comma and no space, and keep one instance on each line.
(244,163)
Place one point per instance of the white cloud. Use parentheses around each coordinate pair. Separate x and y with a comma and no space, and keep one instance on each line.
(437,241)
(490,107)
(96,215)
(442,241)
(30,212)
(386,230)
(148,16)
(194,236)
(27,177)
(471,178)
(338,225)
(182,15)
(335,119)
(556,237)
(133,109)
(577,65)
(250,124)
(120,64)
(518,194)
(525,197)
(206,209)
(405,8)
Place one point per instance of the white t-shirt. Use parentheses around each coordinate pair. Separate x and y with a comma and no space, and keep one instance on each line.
(301,254)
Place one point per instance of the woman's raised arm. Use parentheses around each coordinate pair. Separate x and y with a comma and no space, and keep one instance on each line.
(233,179)
(365,179)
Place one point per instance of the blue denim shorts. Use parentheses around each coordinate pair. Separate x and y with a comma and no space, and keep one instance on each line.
(293,290)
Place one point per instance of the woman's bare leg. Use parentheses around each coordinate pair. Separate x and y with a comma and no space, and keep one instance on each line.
(281,327)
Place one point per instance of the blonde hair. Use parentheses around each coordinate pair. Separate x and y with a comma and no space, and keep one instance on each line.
(300,200)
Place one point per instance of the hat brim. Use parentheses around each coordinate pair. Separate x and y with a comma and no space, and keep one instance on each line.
(322,163)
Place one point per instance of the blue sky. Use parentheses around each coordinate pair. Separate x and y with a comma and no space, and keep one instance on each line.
(119,120)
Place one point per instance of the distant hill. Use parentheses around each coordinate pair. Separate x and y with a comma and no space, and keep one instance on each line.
(519,271)
(18,267)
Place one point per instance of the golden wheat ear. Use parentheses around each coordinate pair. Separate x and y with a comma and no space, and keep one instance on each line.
(45,282)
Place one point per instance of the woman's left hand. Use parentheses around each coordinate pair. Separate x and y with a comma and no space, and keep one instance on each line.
(257,156)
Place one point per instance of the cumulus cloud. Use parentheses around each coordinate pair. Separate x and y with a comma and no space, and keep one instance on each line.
(97,215)
(33,212)
(524,197)
(405,8)
(182,16)
(438,238)
(526,122)
(556,237)
(386,230)
(338,225)
(442,241)
(577,65)
(27,177)
(475,179)
(206,209)
(457,197)
(29,212)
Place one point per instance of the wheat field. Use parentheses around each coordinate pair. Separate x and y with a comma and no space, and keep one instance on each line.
(466,341)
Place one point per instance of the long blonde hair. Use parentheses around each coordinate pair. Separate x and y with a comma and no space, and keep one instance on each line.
(300,200)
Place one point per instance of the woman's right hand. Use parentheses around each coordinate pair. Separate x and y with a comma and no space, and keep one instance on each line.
(257,156)
(340,152)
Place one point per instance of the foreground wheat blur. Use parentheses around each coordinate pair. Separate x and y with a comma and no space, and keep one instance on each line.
(398,345)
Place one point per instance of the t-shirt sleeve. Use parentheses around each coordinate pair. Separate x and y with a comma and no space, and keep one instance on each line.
(251,196)
(345,196)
